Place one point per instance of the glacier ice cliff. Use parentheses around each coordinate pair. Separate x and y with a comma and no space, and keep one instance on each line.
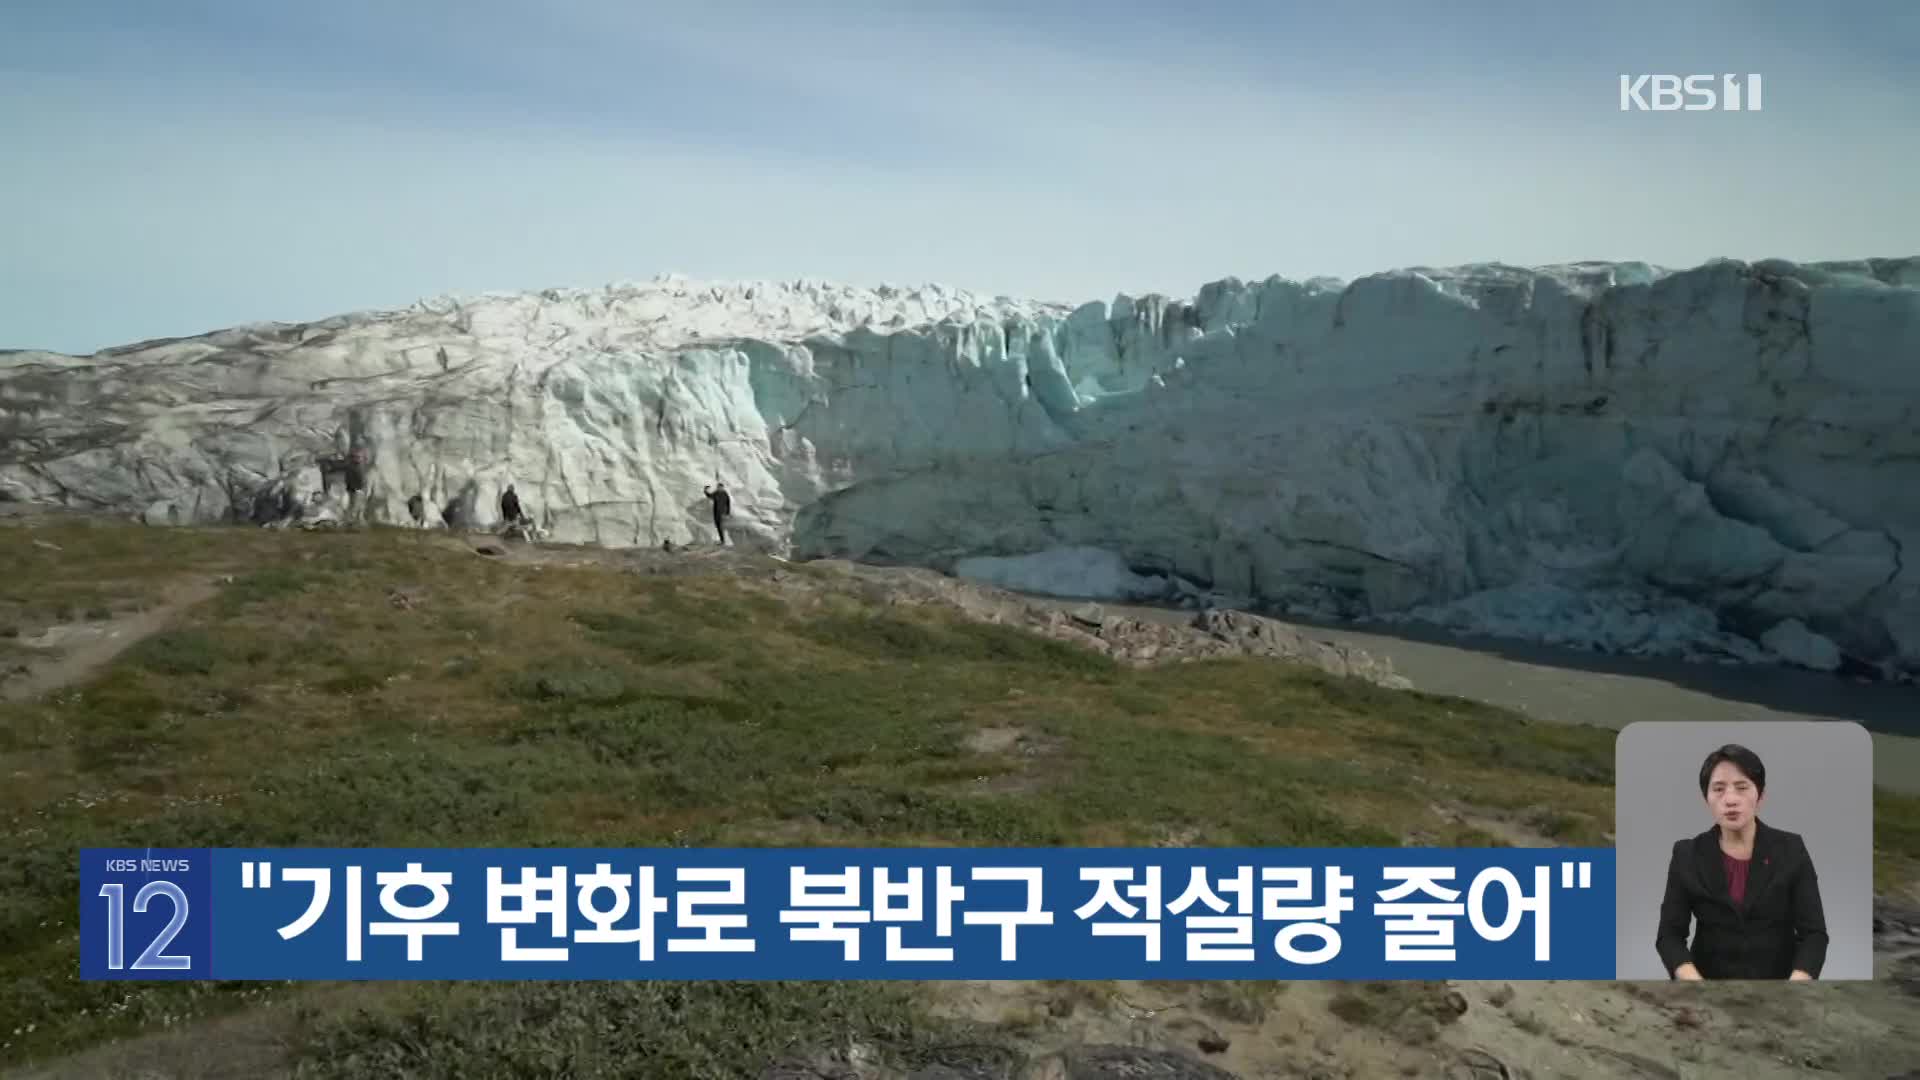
(1722,461)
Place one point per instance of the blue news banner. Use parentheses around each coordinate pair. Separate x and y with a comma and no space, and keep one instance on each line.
(847,913)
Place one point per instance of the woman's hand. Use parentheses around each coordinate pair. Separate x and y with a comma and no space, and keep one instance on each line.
(1689,973)
(1799,976)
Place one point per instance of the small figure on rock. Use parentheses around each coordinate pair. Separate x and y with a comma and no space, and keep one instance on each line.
(722,507)
(356,485)
(417,510)
(518,523)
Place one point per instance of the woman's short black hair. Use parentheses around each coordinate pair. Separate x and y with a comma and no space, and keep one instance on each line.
(1743,759)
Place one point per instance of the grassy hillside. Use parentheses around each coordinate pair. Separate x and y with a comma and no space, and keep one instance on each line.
(389,689)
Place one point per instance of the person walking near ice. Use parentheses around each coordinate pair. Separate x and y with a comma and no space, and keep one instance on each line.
(356,471)
(722,507)
(512,514)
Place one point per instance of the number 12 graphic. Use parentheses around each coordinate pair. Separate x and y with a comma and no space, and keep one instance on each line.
(152,959)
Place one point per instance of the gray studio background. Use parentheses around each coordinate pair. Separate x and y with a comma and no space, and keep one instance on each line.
(1819,784)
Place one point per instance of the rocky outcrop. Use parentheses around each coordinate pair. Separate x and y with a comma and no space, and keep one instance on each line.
(1142,638)
(1723,461)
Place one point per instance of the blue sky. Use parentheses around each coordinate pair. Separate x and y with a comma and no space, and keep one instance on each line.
(171,168)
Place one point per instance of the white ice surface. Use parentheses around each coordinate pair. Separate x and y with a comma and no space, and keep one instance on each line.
(1619,455)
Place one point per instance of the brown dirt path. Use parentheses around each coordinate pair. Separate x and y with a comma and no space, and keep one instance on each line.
(77,650)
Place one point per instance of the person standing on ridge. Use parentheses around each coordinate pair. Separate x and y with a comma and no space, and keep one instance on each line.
(356,485)
(510,512)
(722,508)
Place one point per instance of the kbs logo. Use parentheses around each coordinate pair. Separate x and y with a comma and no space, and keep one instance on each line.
(1692,93)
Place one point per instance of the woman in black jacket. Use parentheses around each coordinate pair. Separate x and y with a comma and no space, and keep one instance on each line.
(1750,888)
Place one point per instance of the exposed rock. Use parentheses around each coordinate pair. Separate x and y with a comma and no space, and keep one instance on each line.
(1477,1064)
(1904,973)
(1895,920)
(1135,1063)
(1133,641)
(858,1061)
(969,1062)
(993,740)
(1257,636)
